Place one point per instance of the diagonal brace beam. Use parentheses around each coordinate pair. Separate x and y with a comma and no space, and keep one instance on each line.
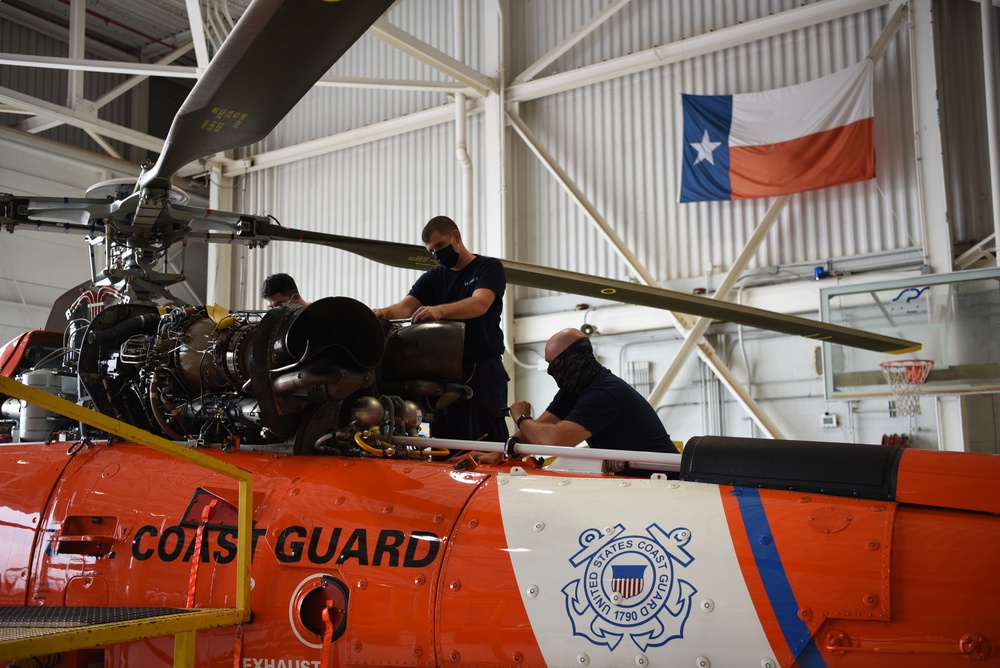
(427,54)
(682,322)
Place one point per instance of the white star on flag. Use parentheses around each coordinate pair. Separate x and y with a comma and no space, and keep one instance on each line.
(705,149)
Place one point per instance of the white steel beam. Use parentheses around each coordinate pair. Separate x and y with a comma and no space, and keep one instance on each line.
(990,89)
(425,53)
(221,287)
(927,135)
(80,120)
(197,33)
(40,123)
(36,124)
(356,137)
(392,84)
(722,293)
(683,323)
(77,41)
(519,92)
(89,65)
(699,45)
(104,143)
(134,81)
(985,248)
(59,32)
(550,163)
(596,21)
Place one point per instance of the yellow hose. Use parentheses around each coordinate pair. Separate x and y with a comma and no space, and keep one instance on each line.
(364,446)
(386,446)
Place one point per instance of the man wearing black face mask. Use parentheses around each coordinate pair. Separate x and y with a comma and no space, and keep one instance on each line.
(470,288)
(592,405)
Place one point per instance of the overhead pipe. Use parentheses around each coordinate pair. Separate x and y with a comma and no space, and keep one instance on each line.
(77,49)
(461,121)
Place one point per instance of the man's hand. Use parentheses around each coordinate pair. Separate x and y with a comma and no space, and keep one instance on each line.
(519,408)
(427,314)
(402,309)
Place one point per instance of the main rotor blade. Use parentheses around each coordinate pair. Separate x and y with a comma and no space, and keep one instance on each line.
(521,273)
(276,52)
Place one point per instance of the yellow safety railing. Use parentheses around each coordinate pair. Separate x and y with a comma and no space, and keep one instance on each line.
(180,625)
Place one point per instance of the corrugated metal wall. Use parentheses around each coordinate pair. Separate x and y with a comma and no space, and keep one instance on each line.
(629,131)
(383,190)
(618,140)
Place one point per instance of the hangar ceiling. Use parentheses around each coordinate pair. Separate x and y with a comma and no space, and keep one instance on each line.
(160,44)
(143,29)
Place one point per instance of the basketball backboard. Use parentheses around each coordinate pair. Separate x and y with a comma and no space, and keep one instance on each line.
(956,317)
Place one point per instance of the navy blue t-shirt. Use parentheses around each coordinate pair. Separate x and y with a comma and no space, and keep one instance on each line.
(617,416)
(440,285)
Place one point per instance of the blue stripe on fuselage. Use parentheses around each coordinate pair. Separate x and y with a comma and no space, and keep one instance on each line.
(772,574)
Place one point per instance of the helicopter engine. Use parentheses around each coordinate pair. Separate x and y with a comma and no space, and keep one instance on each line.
(329,376)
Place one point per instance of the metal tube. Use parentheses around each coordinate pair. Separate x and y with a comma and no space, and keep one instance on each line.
(668,461)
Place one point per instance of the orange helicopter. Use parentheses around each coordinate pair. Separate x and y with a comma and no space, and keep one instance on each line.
(192,486)
(365,550)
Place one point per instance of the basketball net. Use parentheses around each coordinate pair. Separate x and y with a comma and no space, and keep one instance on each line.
(905,377)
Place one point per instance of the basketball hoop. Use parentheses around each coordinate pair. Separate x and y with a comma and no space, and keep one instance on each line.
(905,378)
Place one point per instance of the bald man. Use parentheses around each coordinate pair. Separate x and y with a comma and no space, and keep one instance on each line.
(592,405)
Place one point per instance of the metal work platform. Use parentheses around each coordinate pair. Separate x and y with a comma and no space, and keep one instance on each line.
(40,630)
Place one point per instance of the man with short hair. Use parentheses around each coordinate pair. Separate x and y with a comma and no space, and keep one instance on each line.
(468,288)
(592,405)
(279,289)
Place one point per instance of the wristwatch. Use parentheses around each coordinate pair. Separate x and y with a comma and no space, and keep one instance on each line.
(521,419)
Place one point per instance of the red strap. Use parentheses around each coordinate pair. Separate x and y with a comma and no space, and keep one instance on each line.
(196,557)
(327,636)
(238,649)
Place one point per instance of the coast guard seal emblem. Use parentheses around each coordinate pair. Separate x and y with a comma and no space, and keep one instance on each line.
(628,587)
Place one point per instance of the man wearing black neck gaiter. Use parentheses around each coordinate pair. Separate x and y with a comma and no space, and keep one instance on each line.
(592,404)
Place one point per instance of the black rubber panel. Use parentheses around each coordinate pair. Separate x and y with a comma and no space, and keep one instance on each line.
(840,469)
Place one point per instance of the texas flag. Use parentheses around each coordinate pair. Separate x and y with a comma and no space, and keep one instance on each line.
(788,140)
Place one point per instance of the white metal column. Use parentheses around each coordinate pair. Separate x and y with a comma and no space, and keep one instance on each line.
(496,227)
(990,93)
(220,286)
